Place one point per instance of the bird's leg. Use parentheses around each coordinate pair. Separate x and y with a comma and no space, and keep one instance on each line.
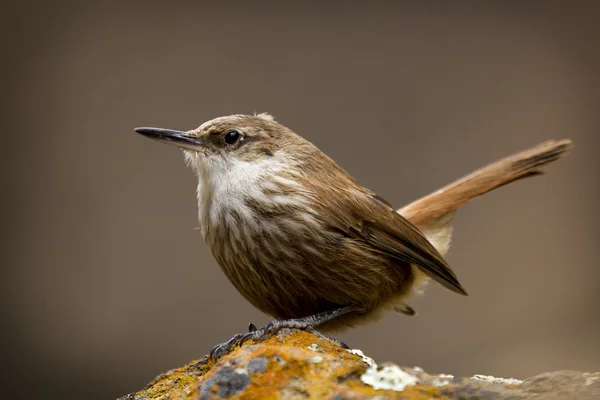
(305,323)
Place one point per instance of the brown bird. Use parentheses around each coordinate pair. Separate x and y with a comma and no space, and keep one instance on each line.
(302,241)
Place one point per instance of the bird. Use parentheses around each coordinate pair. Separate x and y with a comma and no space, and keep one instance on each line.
(303,241)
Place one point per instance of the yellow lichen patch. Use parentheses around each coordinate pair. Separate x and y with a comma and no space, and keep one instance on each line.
(178,383)
(292,364)
(301,364)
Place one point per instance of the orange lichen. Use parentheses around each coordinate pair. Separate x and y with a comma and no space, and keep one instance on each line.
(296,364)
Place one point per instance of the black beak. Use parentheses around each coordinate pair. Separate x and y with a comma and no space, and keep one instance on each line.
(169,136)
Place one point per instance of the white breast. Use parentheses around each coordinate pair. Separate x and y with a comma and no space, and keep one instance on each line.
(225,182)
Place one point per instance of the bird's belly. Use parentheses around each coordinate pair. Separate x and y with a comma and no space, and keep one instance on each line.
(293,273)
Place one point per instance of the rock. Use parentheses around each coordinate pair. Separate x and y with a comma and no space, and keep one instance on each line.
(296,364)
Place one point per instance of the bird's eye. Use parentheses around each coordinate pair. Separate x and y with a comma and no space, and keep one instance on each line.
(232,137)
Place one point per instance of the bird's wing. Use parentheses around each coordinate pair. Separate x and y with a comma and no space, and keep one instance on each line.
(396,236)
(364,216)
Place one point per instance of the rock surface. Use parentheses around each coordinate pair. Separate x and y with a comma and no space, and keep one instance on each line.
(299,365)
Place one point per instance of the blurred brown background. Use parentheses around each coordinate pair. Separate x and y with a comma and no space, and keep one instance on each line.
(105,281)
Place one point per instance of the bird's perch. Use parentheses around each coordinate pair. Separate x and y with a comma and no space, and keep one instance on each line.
(299,365)
(295,364)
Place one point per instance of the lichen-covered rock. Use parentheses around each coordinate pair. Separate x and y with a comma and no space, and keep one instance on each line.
(296,364)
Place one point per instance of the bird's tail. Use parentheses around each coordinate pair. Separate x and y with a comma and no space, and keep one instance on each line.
(433,213)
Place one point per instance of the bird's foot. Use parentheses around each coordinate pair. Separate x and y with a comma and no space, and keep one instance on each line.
(258,335)
(274,326)
(225,348)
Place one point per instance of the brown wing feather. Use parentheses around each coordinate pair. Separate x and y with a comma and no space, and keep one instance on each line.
(397,237)
(362,215)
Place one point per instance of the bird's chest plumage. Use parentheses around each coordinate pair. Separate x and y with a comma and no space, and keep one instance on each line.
(249,218)
(251,232)
(264,247)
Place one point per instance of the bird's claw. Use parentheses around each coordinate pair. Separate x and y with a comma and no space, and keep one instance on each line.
(253,334)
(224,348)
(258,335)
